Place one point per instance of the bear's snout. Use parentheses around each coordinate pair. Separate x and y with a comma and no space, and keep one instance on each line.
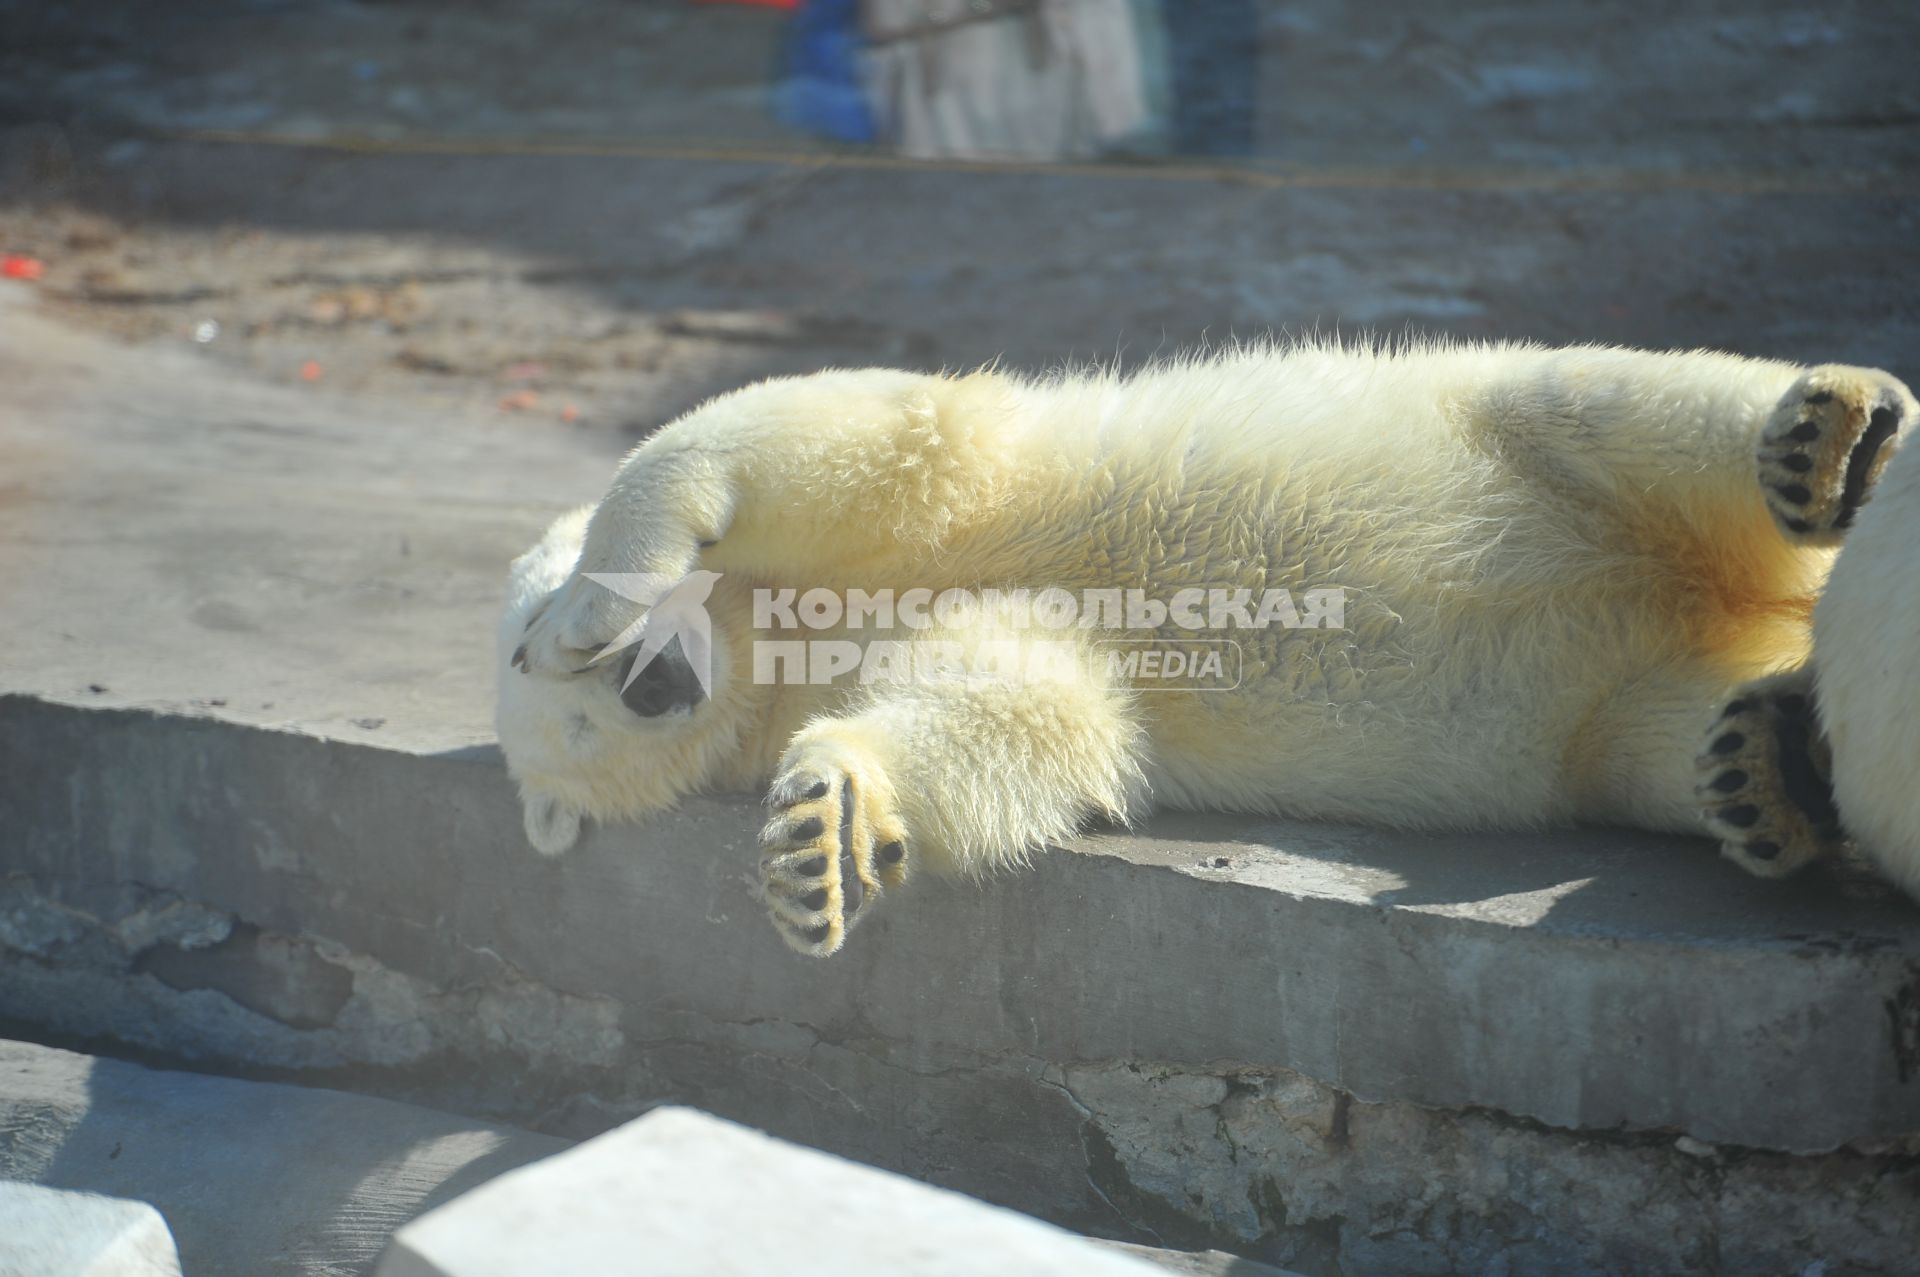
(667,685)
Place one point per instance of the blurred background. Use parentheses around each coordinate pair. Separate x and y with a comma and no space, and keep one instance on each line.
(589,214)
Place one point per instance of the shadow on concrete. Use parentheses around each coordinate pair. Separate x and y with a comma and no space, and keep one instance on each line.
(251,1177)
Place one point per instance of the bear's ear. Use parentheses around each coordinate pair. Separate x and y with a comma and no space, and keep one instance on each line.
(552,826)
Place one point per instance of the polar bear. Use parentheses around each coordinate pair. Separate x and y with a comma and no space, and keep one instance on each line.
(1866,642)
(1560,573)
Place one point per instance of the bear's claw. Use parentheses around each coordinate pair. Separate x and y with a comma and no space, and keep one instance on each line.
(1764,787)
(1824,447)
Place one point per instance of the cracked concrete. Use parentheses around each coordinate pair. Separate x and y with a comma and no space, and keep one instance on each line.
(273,999)
(1277,1163)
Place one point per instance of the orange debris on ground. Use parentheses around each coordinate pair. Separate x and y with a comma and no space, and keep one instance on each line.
(20,266)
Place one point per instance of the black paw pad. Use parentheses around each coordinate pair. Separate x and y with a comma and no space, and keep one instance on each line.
(1881,425)
(892,852)
(1800,776)
(810,828)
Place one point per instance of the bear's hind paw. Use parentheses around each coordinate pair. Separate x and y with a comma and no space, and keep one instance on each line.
(1824,447)
(1764,787)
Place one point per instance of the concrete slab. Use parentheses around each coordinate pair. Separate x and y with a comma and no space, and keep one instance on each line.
(178,537)
(46,1232)
(253,1177)
(681,1193)
(1585,979)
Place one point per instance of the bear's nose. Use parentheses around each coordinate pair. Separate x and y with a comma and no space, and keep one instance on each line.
(666,685)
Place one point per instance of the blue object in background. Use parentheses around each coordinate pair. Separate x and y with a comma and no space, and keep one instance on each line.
(1213,46)
(819,89)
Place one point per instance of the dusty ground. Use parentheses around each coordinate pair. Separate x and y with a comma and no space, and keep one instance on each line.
(553,233)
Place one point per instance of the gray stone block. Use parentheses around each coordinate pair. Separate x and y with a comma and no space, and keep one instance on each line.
(255,1179)
(1582,979)
(48,1232)
(683,1194)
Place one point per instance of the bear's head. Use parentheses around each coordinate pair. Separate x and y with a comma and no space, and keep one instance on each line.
(600,741)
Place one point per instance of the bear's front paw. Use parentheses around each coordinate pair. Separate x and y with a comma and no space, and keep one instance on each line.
(572,628)
(833,845)
(1764,779)
(1825,446)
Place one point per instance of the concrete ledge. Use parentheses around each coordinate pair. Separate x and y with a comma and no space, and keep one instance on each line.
(1590,980)
(1234,1032)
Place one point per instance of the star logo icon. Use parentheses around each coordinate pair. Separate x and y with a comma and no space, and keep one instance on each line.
(676,609)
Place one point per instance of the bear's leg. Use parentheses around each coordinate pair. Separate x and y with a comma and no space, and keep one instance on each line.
(1765,778)
(1825,445)
(787,479)
(953,774)
(634,554)
(1692,439)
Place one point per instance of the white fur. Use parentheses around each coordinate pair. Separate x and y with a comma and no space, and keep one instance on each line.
(551,724)
(1558,563)
(1866,649)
